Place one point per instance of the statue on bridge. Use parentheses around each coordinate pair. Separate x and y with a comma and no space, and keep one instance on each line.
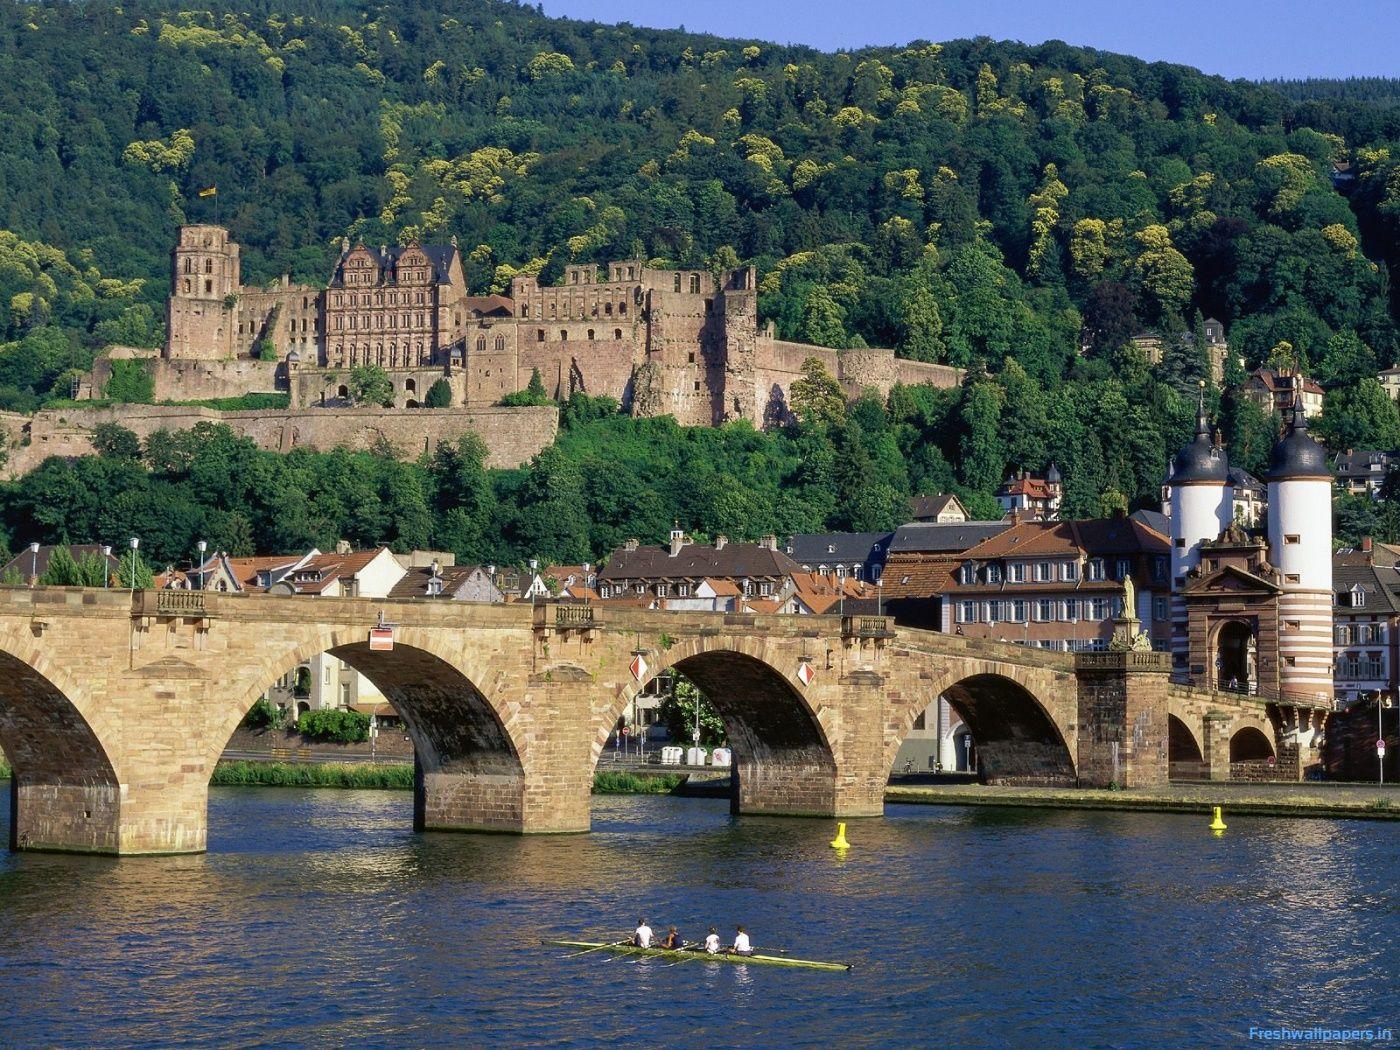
(1127,628)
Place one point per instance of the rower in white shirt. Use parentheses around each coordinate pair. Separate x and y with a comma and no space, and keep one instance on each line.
(712,942)
(741,942)
(641,937)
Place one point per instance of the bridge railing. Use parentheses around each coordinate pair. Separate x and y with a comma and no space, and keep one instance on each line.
(867,626)
(171,603)
(1111,660)
(566,617)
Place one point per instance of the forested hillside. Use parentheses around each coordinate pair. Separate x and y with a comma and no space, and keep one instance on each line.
(1020,211)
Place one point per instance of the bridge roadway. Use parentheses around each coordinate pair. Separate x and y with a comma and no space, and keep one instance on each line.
(114,706)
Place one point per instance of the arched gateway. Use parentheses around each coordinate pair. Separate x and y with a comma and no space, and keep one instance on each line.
(115,707)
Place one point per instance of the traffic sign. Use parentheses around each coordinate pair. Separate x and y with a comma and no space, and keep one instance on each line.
(638,667)
(805,674)
(381,639)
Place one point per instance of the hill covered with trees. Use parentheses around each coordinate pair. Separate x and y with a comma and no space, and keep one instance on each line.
(1018,211)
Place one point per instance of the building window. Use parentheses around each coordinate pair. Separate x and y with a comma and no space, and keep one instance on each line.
(1095,569)
(677,287)
(500,342)
(539,335)
(695,284)
(1016,572)
(994,573)
(1044,610)
(683,590)
(1069,570)
(590,333)
(967,612)
(1042,572)
(1101,609)
(563,335)
(1292,538)
(1291,577)
(617,333)
(1121,570)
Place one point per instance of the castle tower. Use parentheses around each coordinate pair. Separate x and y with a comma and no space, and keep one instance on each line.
(1202,503)
(1300,547)
(204,274)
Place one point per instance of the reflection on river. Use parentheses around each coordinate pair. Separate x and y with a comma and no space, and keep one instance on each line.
(318,919)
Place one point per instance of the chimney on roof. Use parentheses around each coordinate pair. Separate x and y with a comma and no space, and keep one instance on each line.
(1366,545)
(720,540)
(342,546)
(769,542)
(677,539)
(630,545)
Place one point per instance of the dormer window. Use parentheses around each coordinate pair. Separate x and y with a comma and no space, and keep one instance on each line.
(1358,597)
(968,575)
(993,573)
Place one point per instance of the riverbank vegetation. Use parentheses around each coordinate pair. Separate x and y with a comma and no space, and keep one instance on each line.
(1020,212)
(390,776)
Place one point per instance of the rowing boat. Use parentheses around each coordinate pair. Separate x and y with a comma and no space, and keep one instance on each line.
(682,955)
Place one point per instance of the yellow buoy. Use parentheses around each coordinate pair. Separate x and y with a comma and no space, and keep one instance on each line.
(1217,824)
(839,842)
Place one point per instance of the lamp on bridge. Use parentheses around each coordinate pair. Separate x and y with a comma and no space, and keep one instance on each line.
(201,547)
(106,566)
(34,563)
(135,543)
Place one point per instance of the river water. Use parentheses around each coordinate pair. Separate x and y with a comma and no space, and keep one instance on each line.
(318,919)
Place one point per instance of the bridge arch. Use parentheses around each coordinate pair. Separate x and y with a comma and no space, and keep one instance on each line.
(783,762)
(1185,754)
(1249,743)
(65,792)
(1011,715)
(470,769)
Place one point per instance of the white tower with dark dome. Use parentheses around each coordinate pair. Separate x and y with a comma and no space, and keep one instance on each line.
(1300,547)
(1202,507)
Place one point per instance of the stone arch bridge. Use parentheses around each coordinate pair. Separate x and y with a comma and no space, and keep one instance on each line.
(115,706)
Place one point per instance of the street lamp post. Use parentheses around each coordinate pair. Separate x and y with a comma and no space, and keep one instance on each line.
(135,543)
(106,566)
(201,546)
(1382,702)
(33,564)
(534,566)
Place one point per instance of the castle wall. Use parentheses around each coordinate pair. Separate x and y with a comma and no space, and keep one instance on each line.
(287,314)
(185,380)
(328,388)
(512,435)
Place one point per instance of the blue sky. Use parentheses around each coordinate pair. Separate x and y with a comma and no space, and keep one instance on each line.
(1235,38)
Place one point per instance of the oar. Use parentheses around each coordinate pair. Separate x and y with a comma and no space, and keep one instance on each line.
(596,948)
(694,952)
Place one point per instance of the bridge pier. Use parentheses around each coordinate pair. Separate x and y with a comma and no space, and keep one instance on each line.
(1122,718)
(58,817)
(1217,744)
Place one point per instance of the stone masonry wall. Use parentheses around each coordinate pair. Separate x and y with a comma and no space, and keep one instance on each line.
(512,435)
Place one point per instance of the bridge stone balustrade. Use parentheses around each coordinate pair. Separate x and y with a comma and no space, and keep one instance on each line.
(115,707)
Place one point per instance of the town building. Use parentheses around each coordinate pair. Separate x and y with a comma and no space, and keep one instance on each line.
(758,570)
(1366,615)
(454,583)
(1153,346)
(1059,585)
(942,507)
(1390,380)
(919,562)
(857,555)
(1274,391)
(1363,473)
(1029,497)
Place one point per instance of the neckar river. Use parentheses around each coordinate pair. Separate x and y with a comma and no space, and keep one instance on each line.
(318,919)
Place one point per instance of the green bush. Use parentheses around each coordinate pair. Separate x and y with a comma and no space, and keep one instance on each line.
(263,715)
(337,727)
(367,775)
(131,382)
(606,783)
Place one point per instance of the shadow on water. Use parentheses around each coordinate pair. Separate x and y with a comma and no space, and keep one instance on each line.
(318,918)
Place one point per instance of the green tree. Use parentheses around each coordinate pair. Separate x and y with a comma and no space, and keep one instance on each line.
(817,398)
(62,570)
(823,320)
(678,709)
(132,571)
(371,385)
(116,441)
(439,395)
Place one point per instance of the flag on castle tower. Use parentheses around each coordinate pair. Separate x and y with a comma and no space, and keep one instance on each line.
(209,192)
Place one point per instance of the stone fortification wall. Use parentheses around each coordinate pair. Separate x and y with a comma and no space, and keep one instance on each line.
(779,362)
(192,380)
(512,435)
